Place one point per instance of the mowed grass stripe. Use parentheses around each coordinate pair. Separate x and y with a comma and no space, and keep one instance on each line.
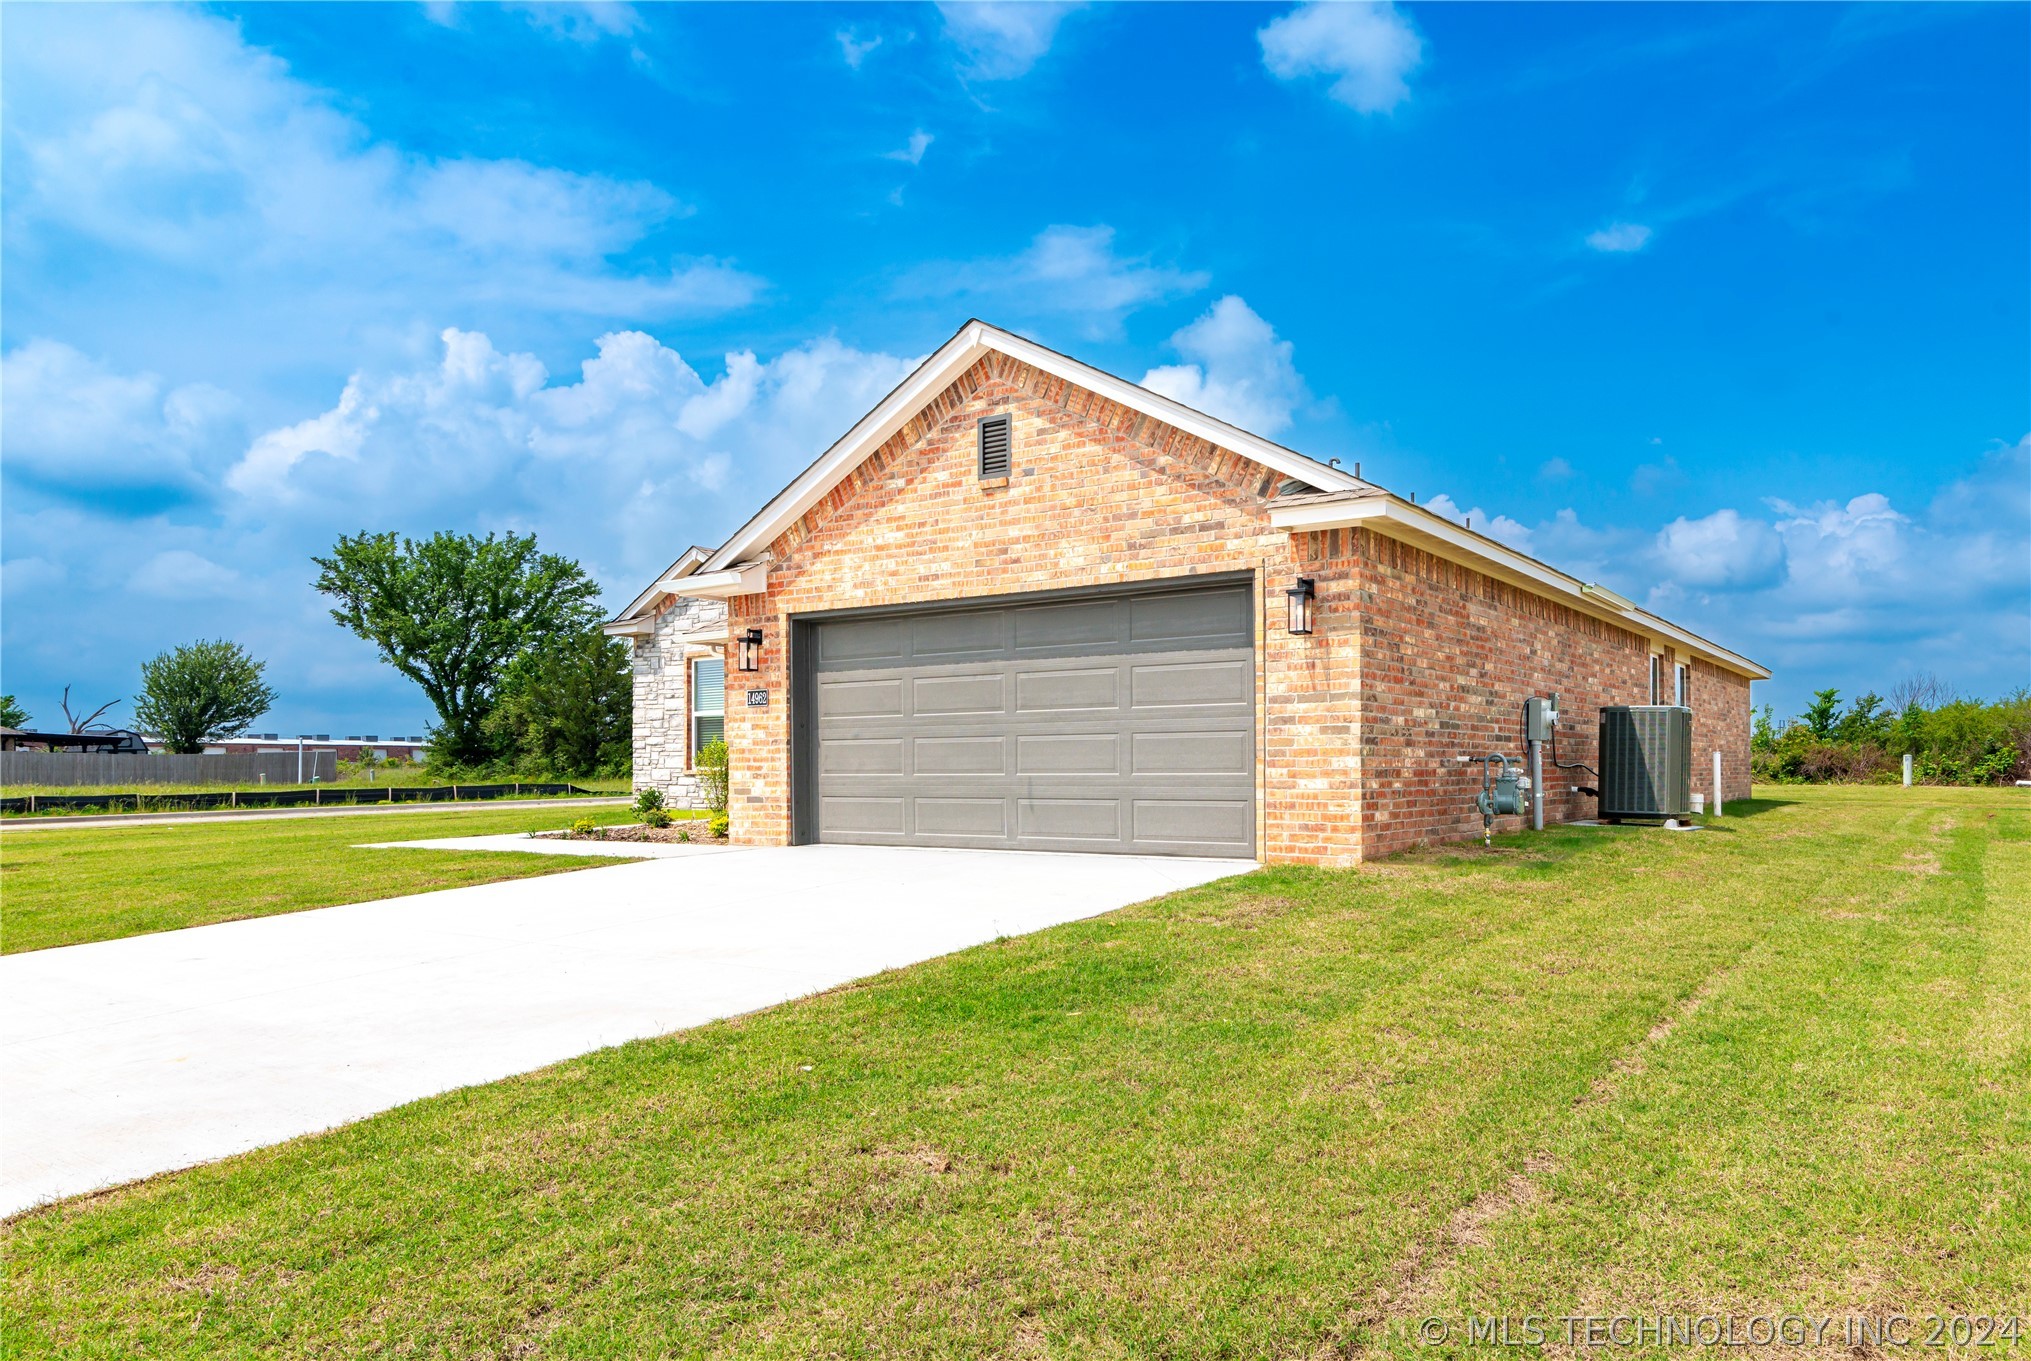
(1824,1135)
(1239,1121)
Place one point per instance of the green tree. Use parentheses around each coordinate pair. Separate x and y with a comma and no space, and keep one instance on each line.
(566,707)
(1865,721)
(203,692)
(1764,736)
(452,612)
(1820,715)
(12,715)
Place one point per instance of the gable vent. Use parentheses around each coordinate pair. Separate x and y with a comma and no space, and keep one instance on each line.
(994,446)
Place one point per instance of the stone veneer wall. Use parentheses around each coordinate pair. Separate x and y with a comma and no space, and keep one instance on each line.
(662,756)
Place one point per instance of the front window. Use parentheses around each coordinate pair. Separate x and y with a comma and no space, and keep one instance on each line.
(1656,679)
(708,702)
(1684,686)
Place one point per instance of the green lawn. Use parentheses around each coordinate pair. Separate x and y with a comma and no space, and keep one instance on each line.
(401,777)
(65,886)
(1780,1065)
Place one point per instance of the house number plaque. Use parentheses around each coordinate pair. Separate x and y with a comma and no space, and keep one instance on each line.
(758,699)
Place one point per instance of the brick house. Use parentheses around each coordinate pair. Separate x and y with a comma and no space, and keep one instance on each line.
(1026,604)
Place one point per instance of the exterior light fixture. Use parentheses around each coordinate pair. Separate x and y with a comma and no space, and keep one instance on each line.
(1298,599)
(751,650)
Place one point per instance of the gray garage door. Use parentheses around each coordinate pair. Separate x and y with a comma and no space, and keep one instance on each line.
(1122,723)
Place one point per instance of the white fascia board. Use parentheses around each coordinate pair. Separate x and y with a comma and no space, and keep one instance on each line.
(1415,524)
(748,578)
(630,628)
(643,604)
(938,372)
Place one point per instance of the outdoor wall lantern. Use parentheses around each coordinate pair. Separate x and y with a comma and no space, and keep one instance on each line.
(1299,600)
(751,650)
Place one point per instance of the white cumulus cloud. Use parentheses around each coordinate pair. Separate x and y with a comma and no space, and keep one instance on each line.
(256,205)
(1065,271)
(179,574)
(1619,238)
(1236,369)
(912,152)
(1368,50)
(1724,549)
(1002,39)
(74,423)
(1512,532)
(639,439)
(854,48)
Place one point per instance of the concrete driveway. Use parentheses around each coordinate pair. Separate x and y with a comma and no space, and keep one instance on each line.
(131,1057)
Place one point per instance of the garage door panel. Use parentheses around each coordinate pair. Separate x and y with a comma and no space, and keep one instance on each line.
(862,756)
(1124,723)
(962,818)
(958,694)
(1192,753)
(982,755)
(1068,754)
(882,817)
(1050,692)
(1196,822)
(861,699)
(1206,619)
(1069,819)
(862,641)
(1040,628)
(1155,685)
(946,636)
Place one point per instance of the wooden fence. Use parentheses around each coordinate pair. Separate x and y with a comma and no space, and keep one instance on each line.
(63,769)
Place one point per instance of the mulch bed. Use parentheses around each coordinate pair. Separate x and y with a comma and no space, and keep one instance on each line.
(692,830)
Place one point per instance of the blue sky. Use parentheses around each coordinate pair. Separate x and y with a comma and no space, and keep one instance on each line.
(1724,306)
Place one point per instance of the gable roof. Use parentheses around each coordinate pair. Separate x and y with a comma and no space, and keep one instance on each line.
(965,349)
(1326,498)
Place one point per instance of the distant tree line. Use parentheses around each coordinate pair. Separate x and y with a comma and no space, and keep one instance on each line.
(1951,739)
(505,642)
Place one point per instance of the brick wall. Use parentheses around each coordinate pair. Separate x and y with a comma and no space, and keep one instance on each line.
(1448,657)
(1413,659)
(1098,494)
(1721,722)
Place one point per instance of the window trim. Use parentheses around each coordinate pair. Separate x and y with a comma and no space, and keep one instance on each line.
(1656,678)
(1681,685)
(697,712)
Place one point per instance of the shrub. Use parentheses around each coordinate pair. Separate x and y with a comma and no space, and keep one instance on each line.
(584,827)
(720,823)
(649,801)
(656,817)
(710,763)
(1950,741)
